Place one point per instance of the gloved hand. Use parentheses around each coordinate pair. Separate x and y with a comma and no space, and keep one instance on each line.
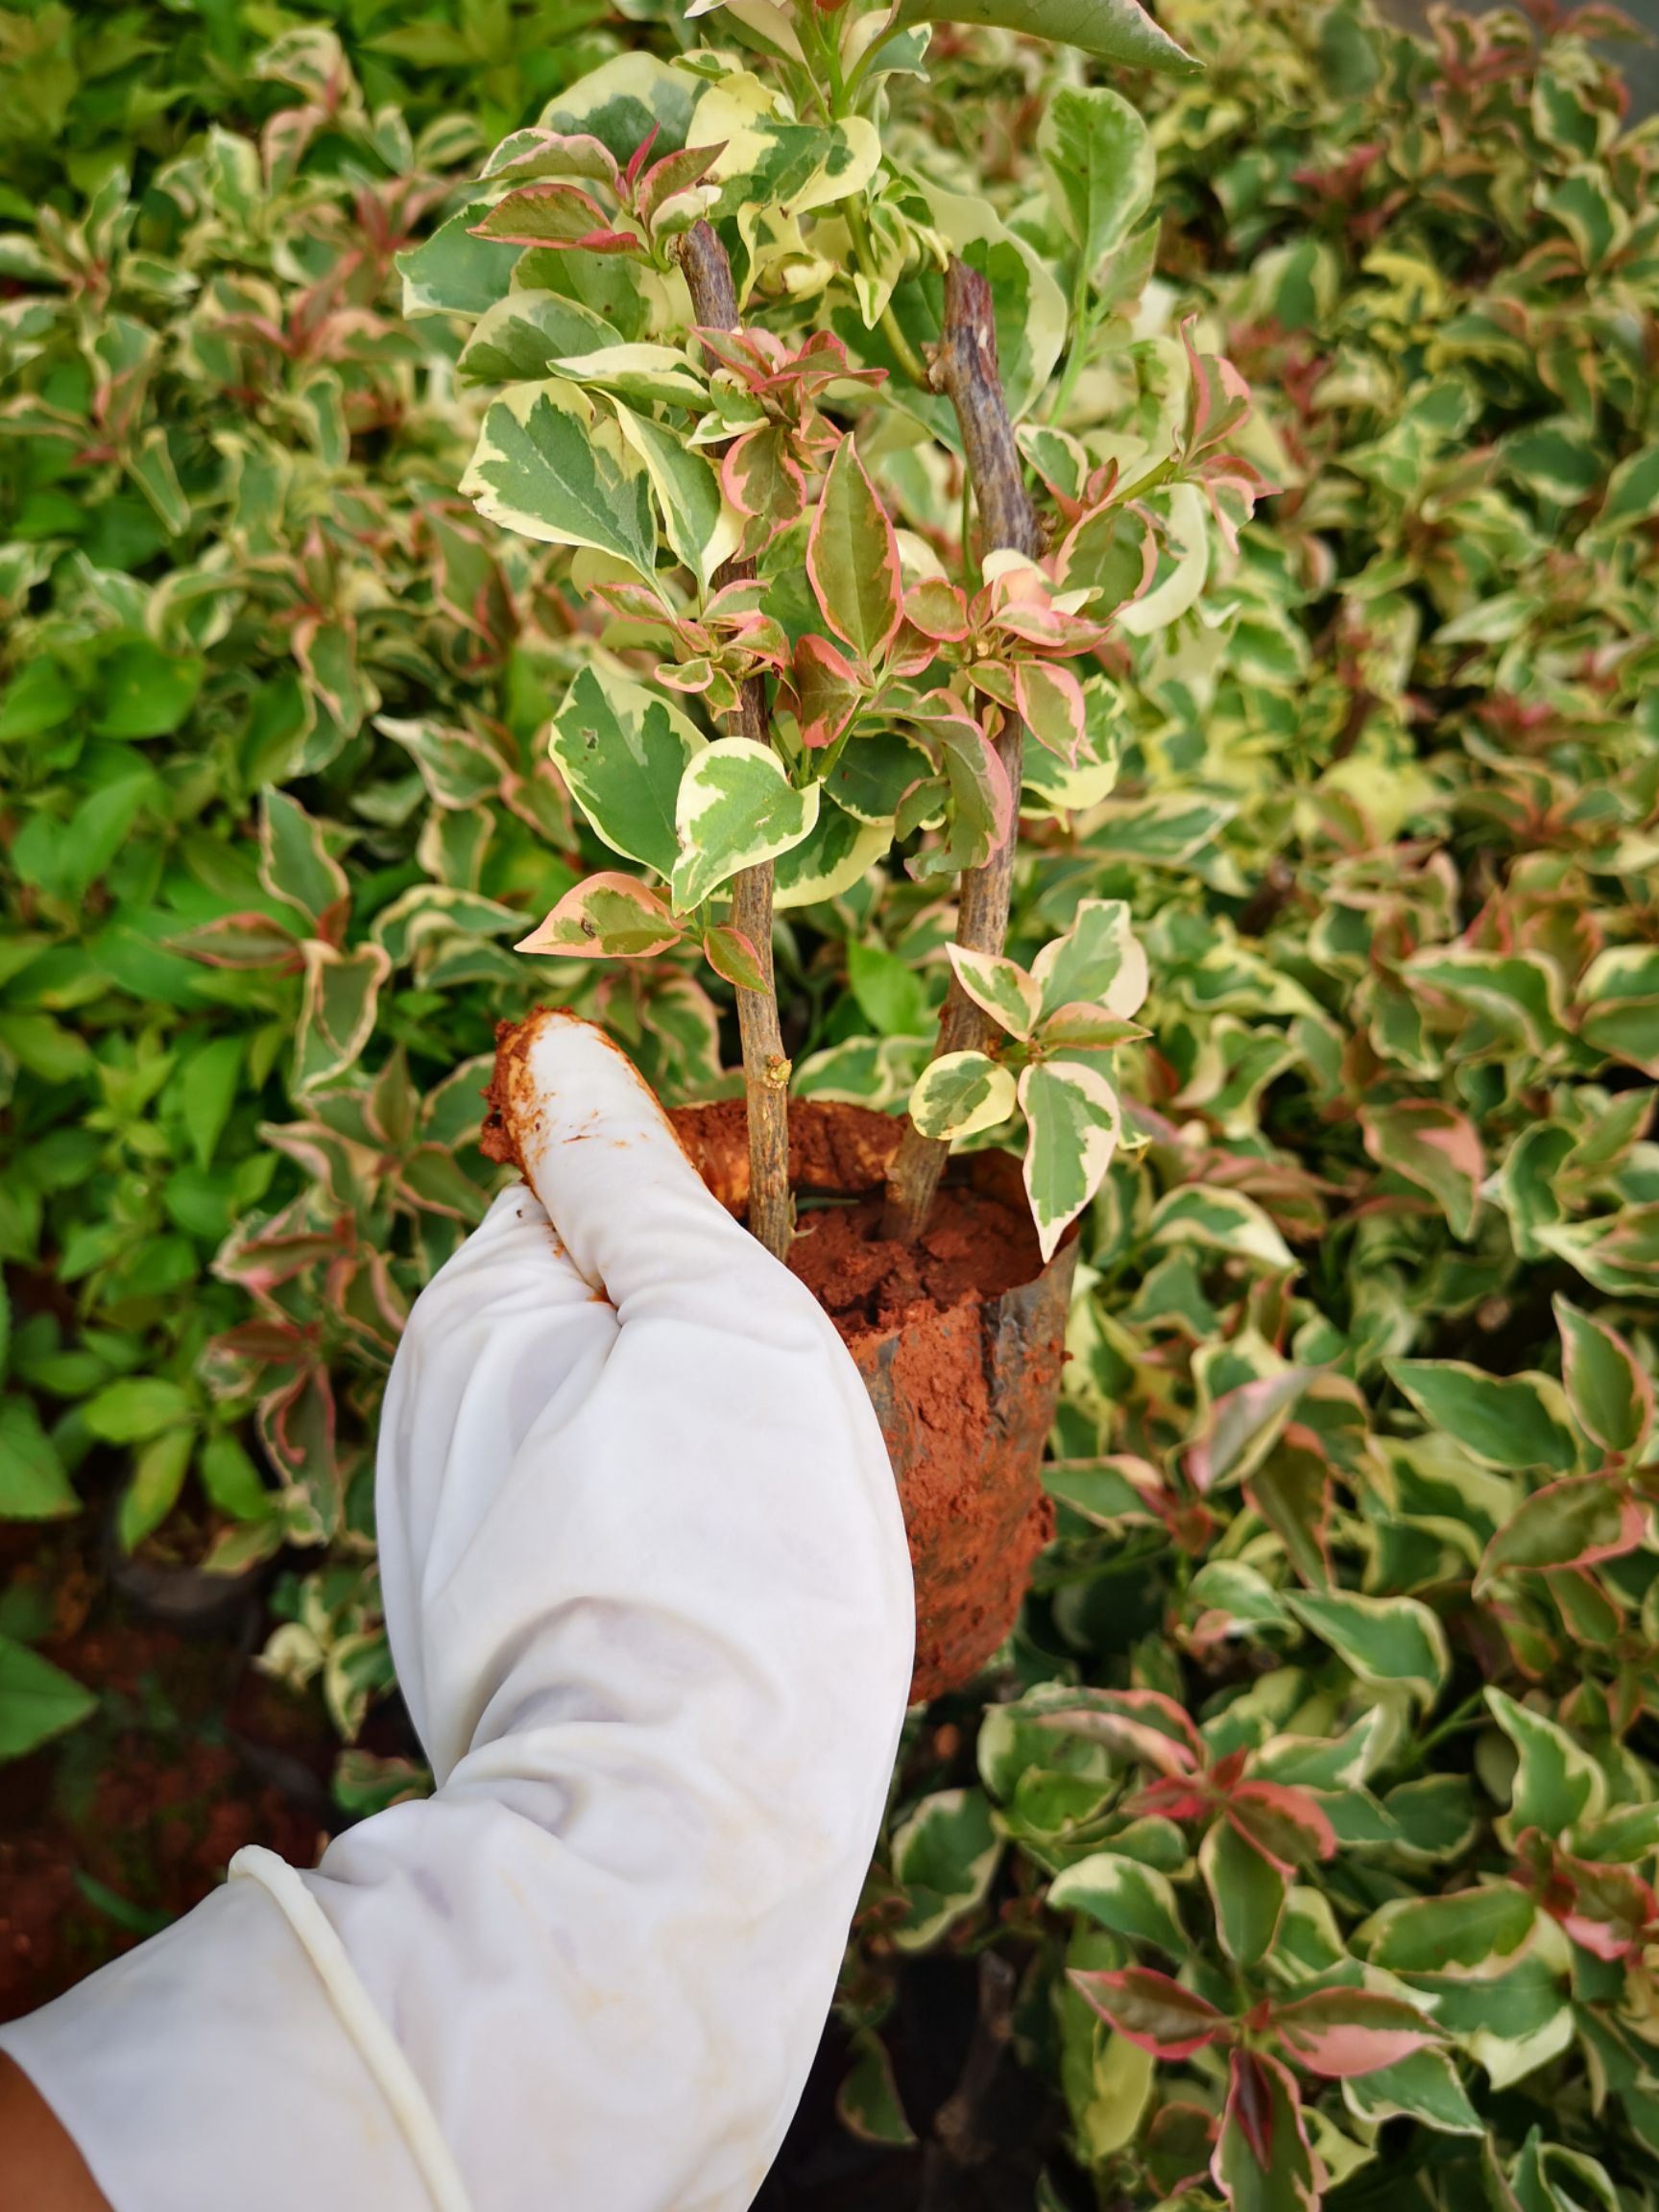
(649,1598)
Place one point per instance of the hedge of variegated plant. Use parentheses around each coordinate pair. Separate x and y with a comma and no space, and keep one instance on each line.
(1314,1811)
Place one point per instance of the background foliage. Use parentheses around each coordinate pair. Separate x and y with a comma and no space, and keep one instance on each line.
(1328,1722)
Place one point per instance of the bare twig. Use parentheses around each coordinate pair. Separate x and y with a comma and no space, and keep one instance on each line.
(765,1067)
(965,370)
(959,2137)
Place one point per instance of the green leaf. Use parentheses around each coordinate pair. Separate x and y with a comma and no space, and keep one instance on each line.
(700,530)
(867,2103)
(1632,491)
(233,1482)
(944,1856)
(1124,1895)
(891,995)
(1514,1421)
(1223,1221)
(736,807)
(145,693)
(37,1700)
(33,1483)
(1246,1890)
(837,853)
(1116,31)
(1608,1390)
(1098,962)
(1574,1523)
(552,465)
(454,272)
(136,1409)
(853,558)
(1075,1122)
(1472,1931)
(41,697)
(207,1081)
(1102,168)
(1558,1784)
(158,1477)
(295,864)
(623,751)
(523,337)
(1425,2086)
(1385,1641)
(960,1093)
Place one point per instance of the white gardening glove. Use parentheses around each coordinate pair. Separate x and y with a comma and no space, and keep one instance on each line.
(649,1598)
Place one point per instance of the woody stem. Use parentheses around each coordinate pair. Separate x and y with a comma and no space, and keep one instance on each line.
(765,1068)
(965,370)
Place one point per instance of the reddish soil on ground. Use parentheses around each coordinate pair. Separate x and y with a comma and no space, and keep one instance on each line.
(128,1821)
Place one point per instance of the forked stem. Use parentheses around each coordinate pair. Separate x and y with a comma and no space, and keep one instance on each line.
(965,370)
(765,1067)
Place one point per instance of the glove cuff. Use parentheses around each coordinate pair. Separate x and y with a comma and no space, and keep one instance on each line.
(222,2063)
(375,2045)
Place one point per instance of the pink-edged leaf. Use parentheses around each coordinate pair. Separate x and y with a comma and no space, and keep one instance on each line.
(1579,1522)
(1232,487)
(1080,1027)
(828,688)
(1242,1426)
(853,558)
(1180,2143)
(1152,2010)
(732,954)
(1434,1147)
(938,609)
(534,153)
(1049,700)
(1113,550)
(640,154)
(258,1257)
(556,214)
(1263,2159)
(1176,1797)
(762,480)
(1609,1910)
(298,1429)
(982,795)
(248,940)
(606,917)
(1135,1723)
(674,173)
(1341,2033)
(1285,1824)
(1219,399)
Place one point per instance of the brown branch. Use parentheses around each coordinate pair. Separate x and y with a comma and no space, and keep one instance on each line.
(965,370)
(766,1066)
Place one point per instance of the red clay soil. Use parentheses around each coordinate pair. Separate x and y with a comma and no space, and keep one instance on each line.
(961,1358)
(128,1820)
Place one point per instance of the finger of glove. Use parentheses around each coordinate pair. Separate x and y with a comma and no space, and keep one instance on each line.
(633,1214)
(504,1330)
